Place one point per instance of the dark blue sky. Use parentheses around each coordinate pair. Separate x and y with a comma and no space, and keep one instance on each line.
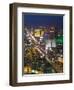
(31,19)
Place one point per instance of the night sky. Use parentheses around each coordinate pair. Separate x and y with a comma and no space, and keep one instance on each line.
(34,20)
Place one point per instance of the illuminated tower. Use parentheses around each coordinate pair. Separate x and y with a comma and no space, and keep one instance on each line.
(50,38)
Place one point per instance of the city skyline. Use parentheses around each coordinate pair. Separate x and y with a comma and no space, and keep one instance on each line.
(43,47)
